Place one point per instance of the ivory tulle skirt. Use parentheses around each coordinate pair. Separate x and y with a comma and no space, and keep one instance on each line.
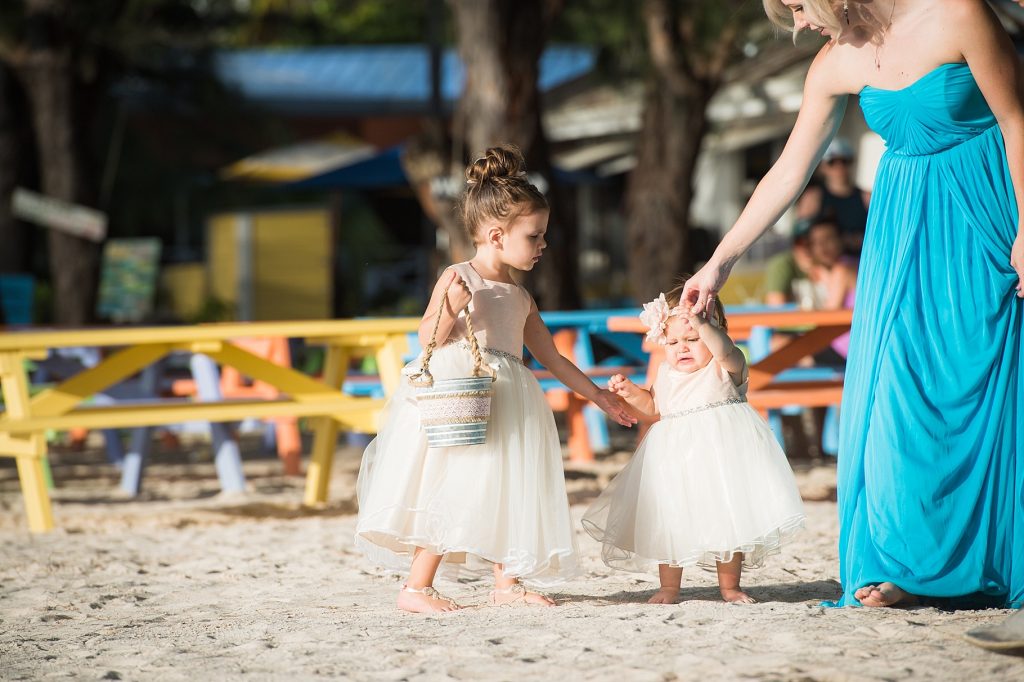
(500,502)
(700,488)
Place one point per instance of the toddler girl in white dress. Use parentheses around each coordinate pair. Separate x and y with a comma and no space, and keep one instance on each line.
(709,485)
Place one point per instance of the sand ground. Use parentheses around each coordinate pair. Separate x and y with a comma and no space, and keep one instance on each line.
(186,584)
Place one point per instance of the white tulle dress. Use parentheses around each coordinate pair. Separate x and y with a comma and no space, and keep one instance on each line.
(500,502)
(708,480)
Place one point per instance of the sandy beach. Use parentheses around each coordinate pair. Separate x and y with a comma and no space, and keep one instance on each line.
(185,583)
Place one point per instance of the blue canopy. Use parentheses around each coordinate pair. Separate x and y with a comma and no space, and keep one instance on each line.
(367,79)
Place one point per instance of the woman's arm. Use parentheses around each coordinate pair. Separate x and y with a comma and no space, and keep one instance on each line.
(458,298)
(821,113)
(996,68)
(538,340)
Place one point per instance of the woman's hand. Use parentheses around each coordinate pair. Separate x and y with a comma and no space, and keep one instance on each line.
(614,407)
(703,286)
(1017,252)
(459,295)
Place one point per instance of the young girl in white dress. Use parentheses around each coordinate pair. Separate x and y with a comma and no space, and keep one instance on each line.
(709,485)
(499,507)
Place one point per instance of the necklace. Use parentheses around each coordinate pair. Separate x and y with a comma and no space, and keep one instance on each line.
(881,38)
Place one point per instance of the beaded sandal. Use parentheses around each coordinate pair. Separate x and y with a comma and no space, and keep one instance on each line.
(432,594)
(518,589)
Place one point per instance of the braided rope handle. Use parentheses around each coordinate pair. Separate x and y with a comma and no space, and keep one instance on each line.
(424,378)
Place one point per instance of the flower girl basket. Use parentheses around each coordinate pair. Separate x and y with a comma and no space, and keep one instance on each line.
(454,411)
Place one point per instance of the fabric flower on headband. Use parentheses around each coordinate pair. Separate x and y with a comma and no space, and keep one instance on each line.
(655,318)
(656,315)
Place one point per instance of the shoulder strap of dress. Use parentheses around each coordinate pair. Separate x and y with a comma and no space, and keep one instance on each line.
(469,275)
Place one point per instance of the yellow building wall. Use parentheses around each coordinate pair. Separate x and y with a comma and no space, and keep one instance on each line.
(184,285)
(222,258)
(292,265)
(290,258)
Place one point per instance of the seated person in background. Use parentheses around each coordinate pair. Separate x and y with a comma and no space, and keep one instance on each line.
(814,274)
(836,195)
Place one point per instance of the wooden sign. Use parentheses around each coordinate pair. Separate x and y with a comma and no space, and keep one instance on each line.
(81,221)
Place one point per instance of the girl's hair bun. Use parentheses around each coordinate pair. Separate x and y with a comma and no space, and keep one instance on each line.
(503,161)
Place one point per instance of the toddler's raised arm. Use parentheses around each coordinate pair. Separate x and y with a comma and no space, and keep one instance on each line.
(721,346)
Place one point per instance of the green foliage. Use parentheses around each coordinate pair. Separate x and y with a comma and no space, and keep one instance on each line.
(617,26)
(614,26)
(321,22)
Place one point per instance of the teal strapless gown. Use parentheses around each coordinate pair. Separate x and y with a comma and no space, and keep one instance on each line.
(931,458)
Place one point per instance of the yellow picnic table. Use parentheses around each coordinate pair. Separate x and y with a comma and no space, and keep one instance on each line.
(25,420)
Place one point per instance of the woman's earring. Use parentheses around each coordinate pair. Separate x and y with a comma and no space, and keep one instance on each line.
(846,11)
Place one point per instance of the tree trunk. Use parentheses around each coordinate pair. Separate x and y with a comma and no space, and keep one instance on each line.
(13,233)
(688,67)
(661,188)
(46,68)
(501,42)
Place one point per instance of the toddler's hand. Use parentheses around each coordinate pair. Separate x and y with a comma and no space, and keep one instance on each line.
(614,407)
(459,295)
(620,385)
(698,320)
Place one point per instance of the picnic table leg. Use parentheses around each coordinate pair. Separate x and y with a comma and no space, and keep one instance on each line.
(830,431)
(30,451)
(760,345)
(596,424)
(579,436)
(389,362)
(325,432)
(228,458)
(135,460)
(115,451)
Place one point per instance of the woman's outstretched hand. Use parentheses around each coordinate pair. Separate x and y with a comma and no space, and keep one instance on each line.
(705,285)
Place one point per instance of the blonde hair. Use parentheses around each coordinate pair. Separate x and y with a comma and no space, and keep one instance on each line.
(497,189)
(782,16)
(675,295)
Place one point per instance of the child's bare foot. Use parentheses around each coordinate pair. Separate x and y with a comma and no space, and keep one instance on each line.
(737,596)
(884,594)
(425,600)
(516,593)
(666,595)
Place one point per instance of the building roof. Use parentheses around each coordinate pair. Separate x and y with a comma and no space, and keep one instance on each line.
(367,79)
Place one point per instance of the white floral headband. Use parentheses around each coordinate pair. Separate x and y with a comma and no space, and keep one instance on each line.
(656,315)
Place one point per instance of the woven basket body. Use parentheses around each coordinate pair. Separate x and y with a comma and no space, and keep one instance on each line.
(455,411)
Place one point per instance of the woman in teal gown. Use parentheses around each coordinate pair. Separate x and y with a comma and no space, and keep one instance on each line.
(931,458)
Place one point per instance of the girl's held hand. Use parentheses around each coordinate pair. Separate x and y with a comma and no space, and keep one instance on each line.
(458,293)
(620,385)
(1017,261)
(706,284)
(614,407)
